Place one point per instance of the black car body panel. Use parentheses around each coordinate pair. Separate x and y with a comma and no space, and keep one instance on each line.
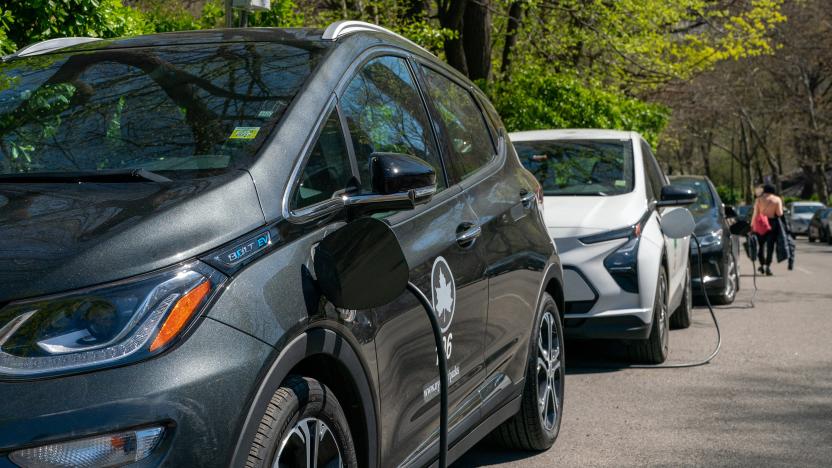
(269,319)
(56,237)
(717,251)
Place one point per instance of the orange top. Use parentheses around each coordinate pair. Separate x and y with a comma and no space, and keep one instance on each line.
(769,205)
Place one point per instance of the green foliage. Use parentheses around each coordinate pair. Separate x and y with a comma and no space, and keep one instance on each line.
(538,100)
(6,45)
(283,14)
(37,20)
(728,195)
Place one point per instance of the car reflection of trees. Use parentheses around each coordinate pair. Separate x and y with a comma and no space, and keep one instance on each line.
(72,107)
(205,89)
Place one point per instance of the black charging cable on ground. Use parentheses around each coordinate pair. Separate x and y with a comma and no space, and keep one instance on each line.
(713,316)
(443,373)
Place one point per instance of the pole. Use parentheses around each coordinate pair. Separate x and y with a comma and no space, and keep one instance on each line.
(229,14)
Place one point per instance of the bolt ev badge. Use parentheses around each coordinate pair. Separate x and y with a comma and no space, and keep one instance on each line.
(443,292)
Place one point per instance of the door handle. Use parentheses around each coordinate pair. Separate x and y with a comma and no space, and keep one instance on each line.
(527,198)
(467,233)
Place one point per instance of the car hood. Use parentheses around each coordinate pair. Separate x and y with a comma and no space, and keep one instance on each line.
(56,237)
(707,223)
(568,216)
(803,216)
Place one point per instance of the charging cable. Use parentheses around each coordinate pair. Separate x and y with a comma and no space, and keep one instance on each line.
(713,316)
(443,373)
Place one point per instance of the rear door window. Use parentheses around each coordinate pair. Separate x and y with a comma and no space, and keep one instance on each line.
(468,137)
(385,113)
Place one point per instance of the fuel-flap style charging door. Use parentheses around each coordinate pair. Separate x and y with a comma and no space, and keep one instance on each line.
(361,265)
(678,223)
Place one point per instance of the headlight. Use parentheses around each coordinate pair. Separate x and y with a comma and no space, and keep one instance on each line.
(623,265)
(111,324)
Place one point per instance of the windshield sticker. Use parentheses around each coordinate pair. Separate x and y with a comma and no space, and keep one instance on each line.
(264,114)
(620,183)
(244,133)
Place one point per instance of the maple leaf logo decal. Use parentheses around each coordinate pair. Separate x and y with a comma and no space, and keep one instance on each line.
(444,292)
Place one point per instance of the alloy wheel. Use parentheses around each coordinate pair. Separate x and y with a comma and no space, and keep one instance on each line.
(664,323)
(549,372)
(731,287)
(311,444)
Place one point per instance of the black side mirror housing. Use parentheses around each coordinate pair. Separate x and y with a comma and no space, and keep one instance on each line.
(674,195)
(395,173)
(730,211)
(399,181)
(361,265)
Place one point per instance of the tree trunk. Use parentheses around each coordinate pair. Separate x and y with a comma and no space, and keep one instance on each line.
(450,16)
(515,15)
(476,39)
(414,10)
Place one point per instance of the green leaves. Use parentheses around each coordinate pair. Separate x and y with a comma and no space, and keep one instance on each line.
(535,99)
(23,23)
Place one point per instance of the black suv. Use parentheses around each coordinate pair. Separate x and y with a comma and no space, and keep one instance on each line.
(162,200)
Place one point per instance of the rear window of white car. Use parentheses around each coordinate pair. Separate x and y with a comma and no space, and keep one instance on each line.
(580,167)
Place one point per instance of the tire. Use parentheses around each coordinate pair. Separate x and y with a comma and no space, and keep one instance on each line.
(828,237)
(535,428)
(300,407)
(811,238)
(682,315)
(653,350)
(732,286)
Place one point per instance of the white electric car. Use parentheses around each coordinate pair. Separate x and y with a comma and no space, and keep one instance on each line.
(605,197)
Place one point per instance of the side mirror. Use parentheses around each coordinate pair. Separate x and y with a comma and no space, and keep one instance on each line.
(361,265)
(674,195)
(678,223)
(730,211)
(399,181)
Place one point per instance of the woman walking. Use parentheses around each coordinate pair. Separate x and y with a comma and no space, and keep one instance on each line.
(768,210)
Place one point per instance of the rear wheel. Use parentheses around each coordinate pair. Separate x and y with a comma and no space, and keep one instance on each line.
(682,316)
(654,349)
(304,425)
(732,279)
(811,237)
(536,425)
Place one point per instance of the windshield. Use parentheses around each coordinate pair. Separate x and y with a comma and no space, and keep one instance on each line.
(176,109)
(806,209)
(704,198)
(579,167)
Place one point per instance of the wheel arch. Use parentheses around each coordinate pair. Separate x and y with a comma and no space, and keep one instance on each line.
(330,358)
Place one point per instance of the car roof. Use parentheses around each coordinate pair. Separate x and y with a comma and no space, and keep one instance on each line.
(690,177)
(311,36)
(573,134)
(810,203)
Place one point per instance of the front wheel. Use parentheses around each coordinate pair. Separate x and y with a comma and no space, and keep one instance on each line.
(732,279)
(536,425)
(304,425)
(654,349)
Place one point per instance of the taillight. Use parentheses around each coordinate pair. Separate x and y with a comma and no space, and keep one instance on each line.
(539,192)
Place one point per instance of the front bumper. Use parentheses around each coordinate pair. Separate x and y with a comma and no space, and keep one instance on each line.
(199,391)
(713,266)
(596,306)
(799,226)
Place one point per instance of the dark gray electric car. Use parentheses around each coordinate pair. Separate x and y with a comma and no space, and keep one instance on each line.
(161,202)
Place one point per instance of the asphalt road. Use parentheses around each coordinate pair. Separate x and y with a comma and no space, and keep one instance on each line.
(766,400)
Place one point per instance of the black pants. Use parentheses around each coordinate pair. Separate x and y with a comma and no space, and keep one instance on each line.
(767,243)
